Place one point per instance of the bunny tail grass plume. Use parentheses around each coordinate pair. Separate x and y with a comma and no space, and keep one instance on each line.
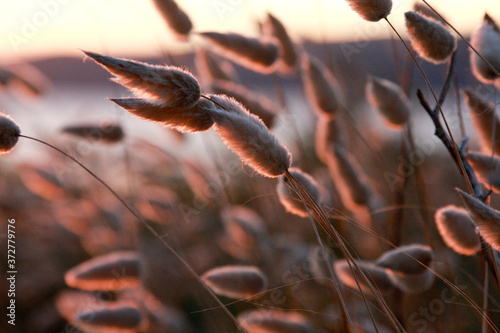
(236,281)
(486,40)
(350,179)
(160,85)
(377,275)
(259,55)
(186,120)
(390,100)
(429,38)
(211,68)
(119,318)
(114,271)
(405,267)
(9,134)
(274,321)
(290,199)
(249,138)
(328,134)
(289,58)
(487,169)
(258,105)
(457,229)
(243,225)
(487,219)
(108,133)
(484,121)
(322,89)
(175,17)
(371,10)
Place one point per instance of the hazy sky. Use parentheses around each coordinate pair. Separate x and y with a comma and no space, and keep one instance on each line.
(31,28)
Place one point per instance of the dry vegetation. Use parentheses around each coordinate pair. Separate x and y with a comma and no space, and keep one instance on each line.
(338,230)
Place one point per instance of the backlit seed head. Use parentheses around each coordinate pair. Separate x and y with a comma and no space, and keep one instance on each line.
(9,133)
(236,281)
(486,40)
(390,100)
(175,17)
(487,168)
(249,138)
(371,10)
(377,276)
(108,133)
(457,229)
(114,271)
(274,321)
(290,199)
(160,85)
(186,120)
(289,57)
(322,89)
(429,38)
(487,219)
(484,121)
(259,55)
(408,260)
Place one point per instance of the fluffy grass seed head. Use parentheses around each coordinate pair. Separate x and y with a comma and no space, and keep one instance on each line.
(256,104)
(409,259)
(371,10)
(107,133)
(350,179)
(114,271)
(9,133)
(290,199)
(484,121)
(259,55)
(243,225)
(289,57)
(377,275)
(274,321)
(390,100)
(248,136)
(430,38)
(487,169)
(457,229)
(322,89)
(176,18)
(487,219)
(236,281)
(161,85)
(486,40)
(186,120)
(404,267)
(110,318)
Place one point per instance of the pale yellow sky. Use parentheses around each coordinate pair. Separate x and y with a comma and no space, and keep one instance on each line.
(33,28)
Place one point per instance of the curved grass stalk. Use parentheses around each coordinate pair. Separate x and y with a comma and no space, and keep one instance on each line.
(149,228)
(323,221)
